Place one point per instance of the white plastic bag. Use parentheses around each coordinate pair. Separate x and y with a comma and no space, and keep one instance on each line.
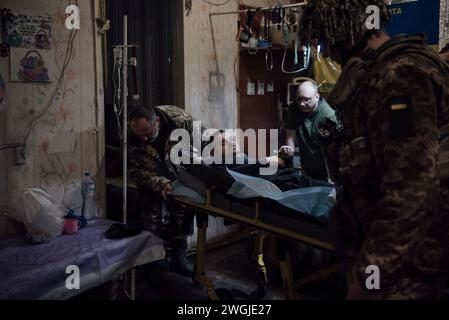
(42,217)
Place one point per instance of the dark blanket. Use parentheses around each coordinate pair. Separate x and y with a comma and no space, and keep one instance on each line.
(289,178)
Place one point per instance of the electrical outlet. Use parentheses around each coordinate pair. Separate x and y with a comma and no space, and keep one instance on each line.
(260,88)
(251,88)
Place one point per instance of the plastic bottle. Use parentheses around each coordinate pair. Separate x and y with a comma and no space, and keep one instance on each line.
(88,193)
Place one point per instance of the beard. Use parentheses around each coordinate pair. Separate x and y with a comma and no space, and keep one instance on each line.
(156,135)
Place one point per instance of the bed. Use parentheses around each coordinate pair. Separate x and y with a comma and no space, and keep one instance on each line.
(262,211)
(36,272)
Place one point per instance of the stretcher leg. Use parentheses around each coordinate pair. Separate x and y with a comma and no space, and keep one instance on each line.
(200,272)
(131,293)
(262,280)
(133,284)
(288,282)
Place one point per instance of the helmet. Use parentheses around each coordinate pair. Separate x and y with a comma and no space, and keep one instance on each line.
(334,21)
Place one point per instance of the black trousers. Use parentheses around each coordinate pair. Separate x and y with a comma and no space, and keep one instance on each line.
(173,225)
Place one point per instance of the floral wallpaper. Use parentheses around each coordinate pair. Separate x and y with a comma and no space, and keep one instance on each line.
(73,111)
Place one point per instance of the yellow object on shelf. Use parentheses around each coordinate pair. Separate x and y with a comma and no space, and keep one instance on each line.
(326,73)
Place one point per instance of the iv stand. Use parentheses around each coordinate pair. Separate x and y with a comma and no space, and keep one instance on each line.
(125,116)
(124,62)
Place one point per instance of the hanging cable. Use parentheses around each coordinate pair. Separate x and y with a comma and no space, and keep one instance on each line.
(307,50)
(269,57)
(217,4)
(119,91)
(116,112)
(60,80)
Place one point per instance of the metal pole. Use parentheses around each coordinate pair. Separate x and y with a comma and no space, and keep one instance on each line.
(261,9)
(125,115)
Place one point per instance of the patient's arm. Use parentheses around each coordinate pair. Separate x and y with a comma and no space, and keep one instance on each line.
(276,160)
(289,148)
(230,153)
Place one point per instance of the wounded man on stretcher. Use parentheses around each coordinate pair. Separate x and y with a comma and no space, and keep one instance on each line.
(240,177)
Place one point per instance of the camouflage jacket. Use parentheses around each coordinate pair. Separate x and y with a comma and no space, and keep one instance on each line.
(145,165)
(393,212)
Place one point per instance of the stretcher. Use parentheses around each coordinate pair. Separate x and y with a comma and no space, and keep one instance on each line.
(265,217)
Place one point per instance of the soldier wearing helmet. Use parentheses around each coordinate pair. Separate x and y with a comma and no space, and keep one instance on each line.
(392,100)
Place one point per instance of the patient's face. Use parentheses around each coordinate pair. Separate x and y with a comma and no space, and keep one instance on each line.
(144,129)
(229,148)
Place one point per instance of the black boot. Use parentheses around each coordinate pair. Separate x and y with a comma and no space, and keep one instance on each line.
(179,263)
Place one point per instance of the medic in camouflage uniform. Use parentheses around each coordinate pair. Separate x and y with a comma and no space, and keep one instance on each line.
(391,154)
(153,171)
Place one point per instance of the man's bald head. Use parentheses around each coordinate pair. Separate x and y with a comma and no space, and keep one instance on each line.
(308,87)
(308,97)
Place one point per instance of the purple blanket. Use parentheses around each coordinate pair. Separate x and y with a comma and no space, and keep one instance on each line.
(39,271)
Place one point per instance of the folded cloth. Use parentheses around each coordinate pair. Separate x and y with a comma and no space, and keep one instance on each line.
(120,230)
